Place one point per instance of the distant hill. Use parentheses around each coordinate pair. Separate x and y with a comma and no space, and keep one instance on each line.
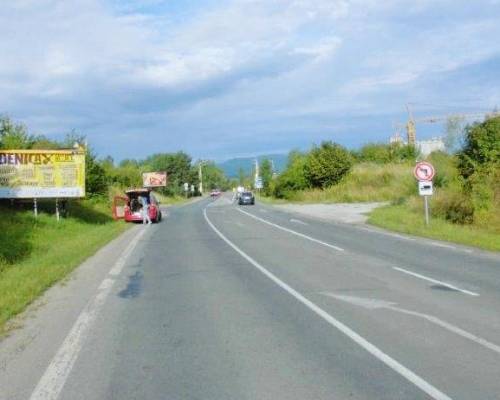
(231,167)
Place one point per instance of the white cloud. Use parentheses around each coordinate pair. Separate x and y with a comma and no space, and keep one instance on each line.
(260,62)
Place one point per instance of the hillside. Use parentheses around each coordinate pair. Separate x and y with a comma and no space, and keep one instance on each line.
(232,166)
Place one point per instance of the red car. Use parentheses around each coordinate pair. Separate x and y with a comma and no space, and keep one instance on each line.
(131,208)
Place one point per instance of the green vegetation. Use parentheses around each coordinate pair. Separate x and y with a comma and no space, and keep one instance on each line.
(465,207)
(402,218)
(365,183)
(37,252)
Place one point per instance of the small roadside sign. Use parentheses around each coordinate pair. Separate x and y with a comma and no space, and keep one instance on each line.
(424,171)
(425,188)
(259,184)
(186,187)
(192,188)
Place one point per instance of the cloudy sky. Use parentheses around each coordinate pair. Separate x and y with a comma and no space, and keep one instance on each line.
(224,78)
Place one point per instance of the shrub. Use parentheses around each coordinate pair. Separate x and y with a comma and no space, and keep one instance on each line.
(481,148)
(327,164)
(293,178)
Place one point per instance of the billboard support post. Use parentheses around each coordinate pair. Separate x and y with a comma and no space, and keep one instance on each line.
(35,207)
(58,214)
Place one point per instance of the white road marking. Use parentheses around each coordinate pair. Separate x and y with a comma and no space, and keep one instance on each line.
(386,233)
(298,221)
(426,278)
(445,246)
(373,304)
(292,231)
(50,385)
(423,385)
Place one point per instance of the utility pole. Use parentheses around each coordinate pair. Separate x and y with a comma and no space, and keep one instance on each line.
(200,178)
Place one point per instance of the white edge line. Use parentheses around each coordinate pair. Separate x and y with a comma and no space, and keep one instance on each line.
(292,231)
(50,385)
(426,278)
(298,221)
(372,349)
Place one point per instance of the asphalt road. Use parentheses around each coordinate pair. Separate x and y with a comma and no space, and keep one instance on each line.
(227,302)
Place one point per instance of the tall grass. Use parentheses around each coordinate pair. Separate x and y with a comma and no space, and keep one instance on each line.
(366,182)
(37,252)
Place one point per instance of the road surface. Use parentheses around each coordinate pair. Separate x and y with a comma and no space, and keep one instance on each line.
(226,302)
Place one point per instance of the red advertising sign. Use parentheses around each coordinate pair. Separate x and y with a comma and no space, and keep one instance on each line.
(154,179)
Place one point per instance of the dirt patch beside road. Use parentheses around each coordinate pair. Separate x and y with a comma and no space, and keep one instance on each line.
(351,213)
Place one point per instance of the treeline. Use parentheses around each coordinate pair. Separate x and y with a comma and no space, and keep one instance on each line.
(326,165)
(104,174)
(467,180)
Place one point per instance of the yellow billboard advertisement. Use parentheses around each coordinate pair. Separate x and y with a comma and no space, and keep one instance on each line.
(28,174)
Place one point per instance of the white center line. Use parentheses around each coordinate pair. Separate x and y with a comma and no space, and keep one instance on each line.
(419,382)
(52,382)
(291,231)
(426,278)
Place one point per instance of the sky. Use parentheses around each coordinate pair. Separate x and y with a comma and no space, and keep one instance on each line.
(228,78)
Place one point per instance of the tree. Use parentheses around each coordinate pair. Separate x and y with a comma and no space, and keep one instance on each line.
(241,177)
(481,149)
(178,168)
(14,136)
(453,133)
(293,177)
(327,164)
(266,173)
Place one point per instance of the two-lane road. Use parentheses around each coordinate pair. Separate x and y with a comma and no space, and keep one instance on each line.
(222,302)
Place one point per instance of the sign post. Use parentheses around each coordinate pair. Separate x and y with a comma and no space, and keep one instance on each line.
(186,188)
(424,173)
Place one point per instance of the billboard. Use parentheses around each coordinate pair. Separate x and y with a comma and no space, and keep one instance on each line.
(154,179)
(28,174)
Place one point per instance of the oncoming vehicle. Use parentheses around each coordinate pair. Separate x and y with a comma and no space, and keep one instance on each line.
(131,211)
(246,198)
(215,193)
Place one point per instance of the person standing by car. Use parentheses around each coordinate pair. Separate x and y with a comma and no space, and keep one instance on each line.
(145,210)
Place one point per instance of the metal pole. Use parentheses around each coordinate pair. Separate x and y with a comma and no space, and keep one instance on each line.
(426,202)
(200,176)
(58,216)
(35,208)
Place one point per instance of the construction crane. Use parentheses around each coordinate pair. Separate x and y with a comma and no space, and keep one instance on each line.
(411,130)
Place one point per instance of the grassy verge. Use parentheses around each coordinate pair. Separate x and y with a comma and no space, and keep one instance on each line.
(367,182)
(401,218)
(36,253)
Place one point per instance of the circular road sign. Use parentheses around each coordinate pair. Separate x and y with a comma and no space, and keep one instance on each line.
(424,171)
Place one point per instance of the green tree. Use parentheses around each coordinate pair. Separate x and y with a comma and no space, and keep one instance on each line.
(241,177)
(14,136)
(178,168)
(293,177)
(266,173)
(481,149)
(327,164)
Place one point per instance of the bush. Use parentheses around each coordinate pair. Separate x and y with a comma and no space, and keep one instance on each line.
(327,164)
(454,207)
(293,178)
(481,149)
(382,153)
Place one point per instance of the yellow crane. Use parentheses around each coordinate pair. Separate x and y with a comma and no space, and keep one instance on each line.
(411,130)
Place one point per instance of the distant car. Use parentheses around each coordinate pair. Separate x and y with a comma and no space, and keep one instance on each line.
(132,209)
(246,198)
(215,193)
